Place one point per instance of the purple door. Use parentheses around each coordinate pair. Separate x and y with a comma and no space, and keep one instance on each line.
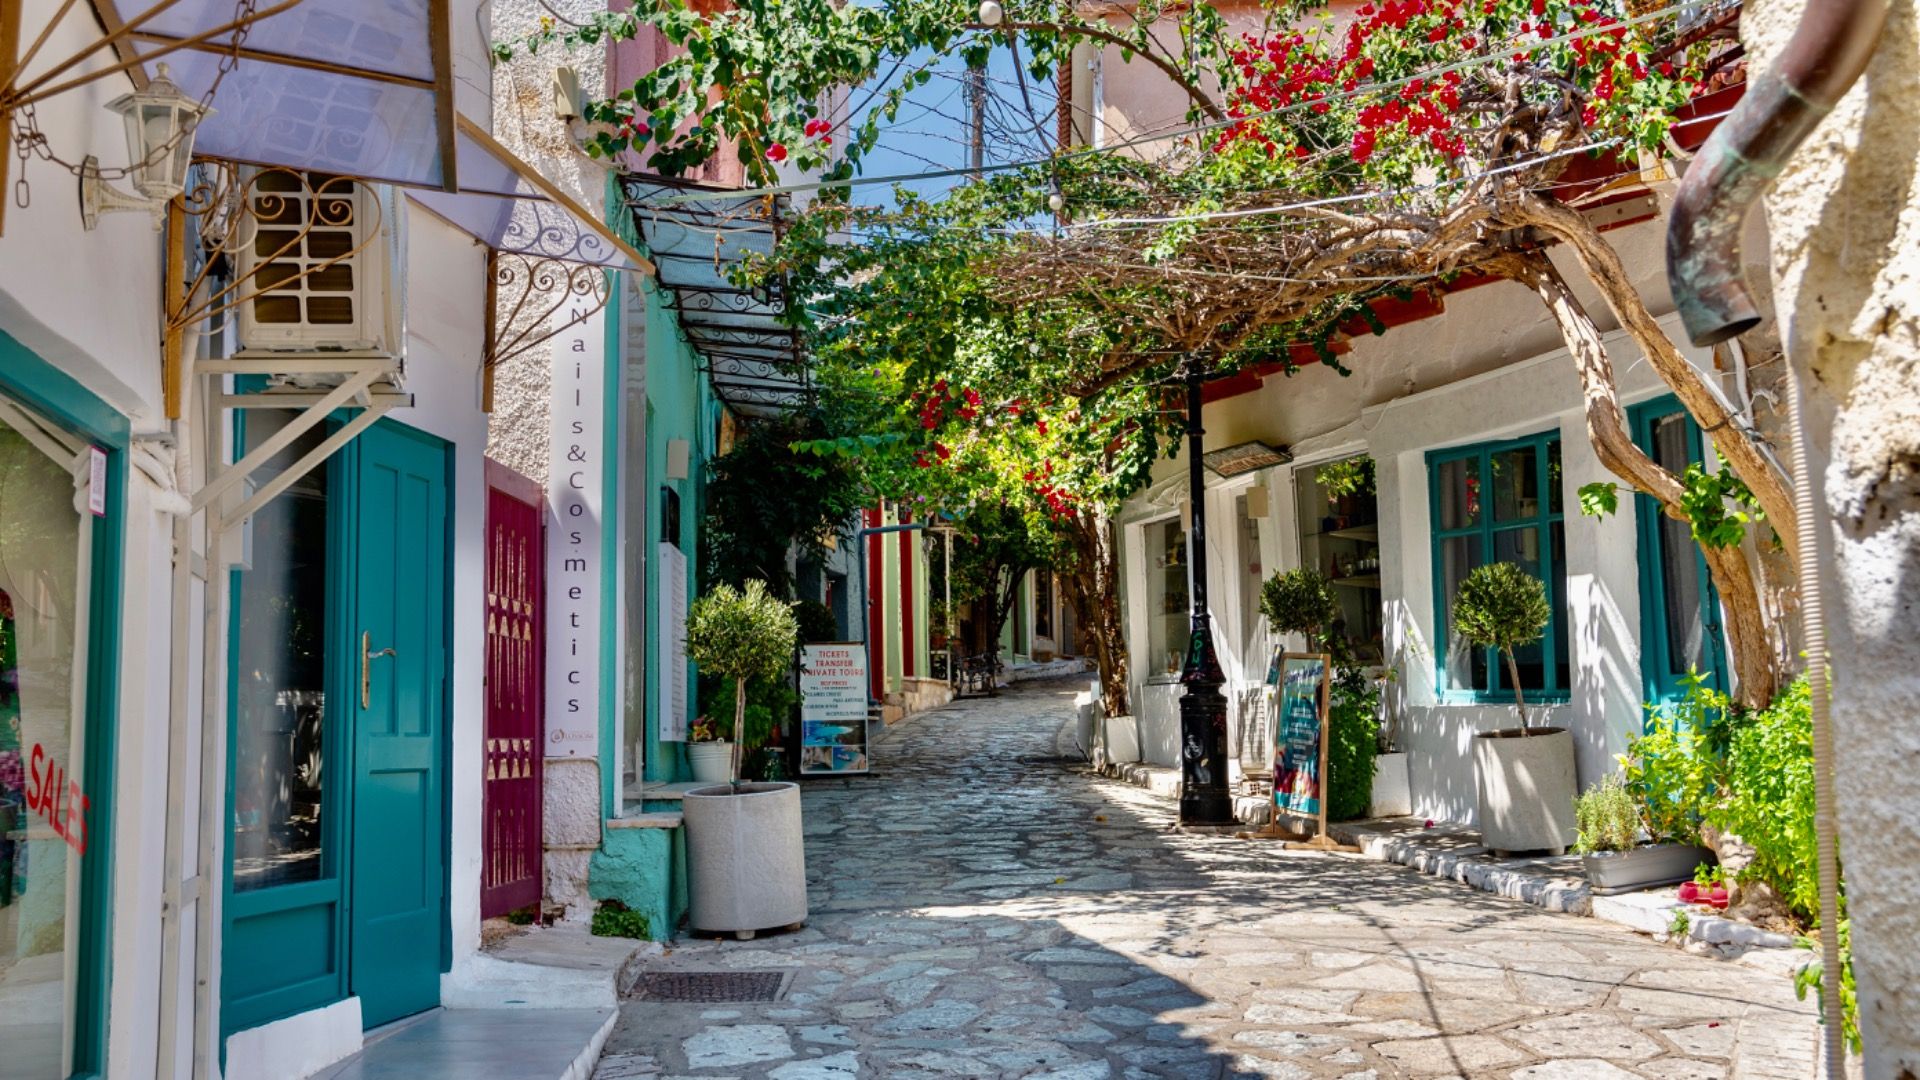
(510,872)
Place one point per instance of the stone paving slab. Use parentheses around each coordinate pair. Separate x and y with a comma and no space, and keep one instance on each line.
(484,1044)
(981,909)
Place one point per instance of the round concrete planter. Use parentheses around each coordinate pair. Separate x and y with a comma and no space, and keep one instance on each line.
(746,858)
(712,762)
(1526,786)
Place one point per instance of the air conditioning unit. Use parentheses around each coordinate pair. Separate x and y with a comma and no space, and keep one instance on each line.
(322,266)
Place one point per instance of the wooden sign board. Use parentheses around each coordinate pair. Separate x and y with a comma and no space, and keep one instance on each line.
(1303,684)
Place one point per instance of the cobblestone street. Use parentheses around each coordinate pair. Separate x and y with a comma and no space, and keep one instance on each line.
(983,910)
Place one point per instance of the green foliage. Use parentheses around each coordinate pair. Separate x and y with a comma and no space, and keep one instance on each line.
(770,702)
(1299,601)
(1707,875)
(1599,499)
(1718,505)
(1768,797)
(1351,476)
(613,919)
(816,622)
(1353,721)
(1502,606)
(523,916)
(1704,761)
(741,634)
(1607,817)
(1680,923)
(765,498)
(1812,977)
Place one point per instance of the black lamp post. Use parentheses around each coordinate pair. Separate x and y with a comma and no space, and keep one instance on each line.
(1204,796)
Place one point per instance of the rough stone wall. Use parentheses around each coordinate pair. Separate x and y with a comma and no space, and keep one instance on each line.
(1845,226)
(519,432)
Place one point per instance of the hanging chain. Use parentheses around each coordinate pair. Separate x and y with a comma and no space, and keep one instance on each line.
(29,141)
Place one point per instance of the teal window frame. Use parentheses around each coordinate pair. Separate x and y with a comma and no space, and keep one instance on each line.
(61,398)
(1557,634)
(1658,685)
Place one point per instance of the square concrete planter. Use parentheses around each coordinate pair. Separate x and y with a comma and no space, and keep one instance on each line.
(1119,740)
(1526,790)
(1392,787)
(746,858)
(1610,872)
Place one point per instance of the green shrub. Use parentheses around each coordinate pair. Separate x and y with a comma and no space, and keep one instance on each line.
(1768,799)
(741,634)
(1811,976)
(1299,601)
(816,621)
(1704,761)
(613,919)
(1607,817)
(1353,722)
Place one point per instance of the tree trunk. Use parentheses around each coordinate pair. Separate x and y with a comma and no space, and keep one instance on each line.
(1093,590)
(1748,640)
(1733,437)
(739,725)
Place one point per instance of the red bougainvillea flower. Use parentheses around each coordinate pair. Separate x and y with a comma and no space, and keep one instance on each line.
(941,449)
(817,127)
(777,152)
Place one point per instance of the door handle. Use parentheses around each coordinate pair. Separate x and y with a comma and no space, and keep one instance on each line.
(367,657)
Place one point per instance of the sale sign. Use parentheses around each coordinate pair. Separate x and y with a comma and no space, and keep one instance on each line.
(57,798)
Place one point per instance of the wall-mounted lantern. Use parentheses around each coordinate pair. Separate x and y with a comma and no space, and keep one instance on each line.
(160,122)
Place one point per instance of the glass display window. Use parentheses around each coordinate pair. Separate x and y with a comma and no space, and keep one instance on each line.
(1169,618)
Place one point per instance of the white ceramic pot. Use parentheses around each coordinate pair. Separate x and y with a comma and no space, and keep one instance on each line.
(746,858)
(712,761)
(1526,786)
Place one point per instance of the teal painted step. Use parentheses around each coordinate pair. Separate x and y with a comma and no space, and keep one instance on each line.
(643,864)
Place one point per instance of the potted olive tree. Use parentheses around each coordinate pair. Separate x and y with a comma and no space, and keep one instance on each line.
(1524,775)
(1302,601)
(746,859)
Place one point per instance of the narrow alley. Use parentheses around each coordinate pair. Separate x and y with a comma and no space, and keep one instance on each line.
(984,909)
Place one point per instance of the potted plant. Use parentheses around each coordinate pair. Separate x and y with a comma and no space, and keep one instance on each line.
(1708,886)
(1345,482)
(1617,848)
(1524,775)
(746,860)
(710,754)
(1302,601)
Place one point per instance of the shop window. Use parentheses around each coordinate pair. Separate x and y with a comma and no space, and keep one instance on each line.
(1500,502)
(47,816)
(1043,604)
(1339,515)
(1169,622)
(1679,611)
(280,677)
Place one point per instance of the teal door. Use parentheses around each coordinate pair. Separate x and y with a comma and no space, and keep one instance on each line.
(336,844)
(1680,631)
(399,850)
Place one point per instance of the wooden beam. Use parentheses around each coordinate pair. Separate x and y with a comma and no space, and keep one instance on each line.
(440,37)
(284,60)
(173,336)
(9,49)
(546,187)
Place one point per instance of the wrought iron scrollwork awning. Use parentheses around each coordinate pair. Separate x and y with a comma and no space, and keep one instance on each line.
(754,361)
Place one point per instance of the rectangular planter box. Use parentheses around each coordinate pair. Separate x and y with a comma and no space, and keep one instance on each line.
(1120,739)
(1610,872)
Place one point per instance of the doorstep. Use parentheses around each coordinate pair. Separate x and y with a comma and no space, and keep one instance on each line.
(1453,851)
(482,1044)
(543,966)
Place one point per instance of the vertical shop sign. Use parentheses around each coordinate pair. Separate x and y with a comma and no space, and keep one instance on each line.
(97,481)
(574,574)
(1299,751)
(833,708)
(673,643)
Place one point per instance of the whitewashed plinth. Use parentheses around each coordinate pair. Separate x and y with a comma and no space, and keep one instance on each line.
(746,858)
(1392,794)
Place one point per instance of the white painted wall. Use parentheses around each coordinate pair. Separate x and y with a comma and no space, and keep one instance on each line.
(1489,368)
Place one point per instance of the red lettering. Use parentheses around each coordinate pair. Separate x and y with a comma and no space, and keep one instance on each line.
(76,814)
(33,777)
(57,799)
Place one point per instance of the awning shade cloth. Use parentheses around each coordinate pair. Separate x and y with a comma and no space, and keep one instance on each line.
(754,362)
(363,88)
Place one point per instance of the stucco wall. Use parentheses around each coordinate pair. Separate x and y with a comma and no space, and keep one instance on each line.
(1845,221)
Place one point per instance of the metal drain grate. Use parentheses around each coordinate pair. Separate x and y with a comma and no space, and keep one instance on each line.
(710,987)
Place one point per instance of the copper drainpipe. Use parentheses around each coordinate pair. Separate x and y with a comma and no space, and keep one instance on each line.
(1828,52)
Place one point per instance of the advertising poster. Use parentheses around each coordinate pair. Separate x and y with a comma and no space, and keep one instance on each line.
(1296,733)
(833,708)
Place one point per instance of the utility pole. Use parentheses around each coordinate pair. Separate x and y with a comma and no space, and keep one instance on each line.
(977,110)
(1204,797)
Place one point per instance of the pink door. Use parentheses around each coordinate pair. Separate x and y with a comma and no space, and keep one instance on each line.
(510,873)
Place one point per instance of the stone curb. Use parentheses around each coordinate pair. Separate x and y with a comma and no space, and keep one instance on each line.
(1541,892)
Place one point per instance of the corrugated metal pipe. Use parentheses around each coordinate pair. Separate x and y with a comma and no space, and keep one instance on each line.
(1827,53)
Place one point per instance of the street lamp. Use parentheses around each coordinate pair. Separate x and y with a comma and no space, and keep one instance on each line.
(991,13)
(160,123)
(1204,796)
